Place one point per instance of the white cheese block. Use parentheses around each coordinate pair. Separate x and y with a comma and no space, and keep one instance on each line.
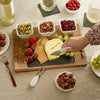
(52,46)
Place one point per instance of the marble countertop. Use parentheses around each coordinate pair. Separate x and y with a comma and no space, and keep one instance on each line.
(88,84)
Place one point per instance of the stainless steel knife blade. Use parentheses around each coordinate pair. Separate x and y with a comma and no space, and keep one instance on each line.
(57,53)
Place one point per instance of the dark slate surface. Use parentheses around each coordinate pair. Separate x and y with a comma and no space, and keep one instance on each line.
(86,22)
(46,13)
(62,60)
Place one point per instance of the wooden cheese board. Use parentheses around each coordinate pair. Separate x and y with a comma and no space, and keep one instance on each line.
(21,65)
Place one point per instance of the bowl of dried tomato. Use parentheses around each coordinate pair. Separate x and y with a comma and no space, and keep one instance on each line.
(65,81)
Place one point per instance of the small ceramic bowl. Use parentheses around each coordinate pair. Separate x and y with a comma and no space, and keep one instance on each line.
(72,11)
(46,34)
(23,36)
(62,88)
(69,31)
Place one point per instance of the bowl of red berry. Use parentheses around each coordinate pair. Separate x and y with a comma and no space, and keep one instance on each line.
(72,6)
(65,81)
(68,26)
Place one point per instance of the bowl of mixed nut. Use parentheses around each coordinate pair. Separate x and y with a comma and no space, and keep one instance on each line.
(24,30)
(65,81)
(46,28)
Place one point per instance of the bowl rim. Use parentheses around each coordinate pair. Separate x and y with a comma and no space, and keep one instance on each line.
(65,90)
(72,11)
(24,34)
(46,33)
(67,19)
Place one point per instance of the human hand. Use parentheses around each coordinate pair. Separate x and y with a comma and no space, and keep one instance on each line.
(76,43)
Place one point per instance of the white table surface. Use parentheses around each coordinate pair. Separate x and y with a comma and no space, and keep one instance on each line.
(88,84)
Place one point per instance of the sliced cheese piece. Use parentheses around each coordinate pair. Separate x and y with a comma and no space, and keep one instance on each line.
(52,46)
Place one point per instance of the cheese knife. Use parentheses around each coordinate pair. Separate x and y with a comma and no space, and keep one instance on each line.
(57,53)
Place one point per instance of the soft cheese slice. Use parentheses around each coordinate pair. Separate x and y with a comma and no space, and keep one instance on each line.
(52,46)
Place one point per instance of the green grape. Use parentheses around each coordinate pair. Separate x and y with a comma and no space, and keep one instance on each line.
(60,37)
(65,38)
(95,59)
(98,58)
(96,62)
(56,35)
(99,65)
(96,66)
(66,34)
(67,54)
(93,62)
(71,54)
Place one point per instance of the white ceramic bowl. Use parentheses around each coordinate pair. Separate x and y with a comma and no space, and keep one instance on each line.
(59,86)
(72,11)
(96,71)
(70,31)
(25,35)
(46,34)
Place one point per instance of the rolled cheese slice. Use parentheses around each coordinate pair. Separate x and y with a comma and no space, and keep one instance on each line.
(52,46)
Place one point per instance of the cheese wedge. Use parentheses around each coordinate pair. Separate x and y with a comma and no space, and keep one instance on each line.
(52,46)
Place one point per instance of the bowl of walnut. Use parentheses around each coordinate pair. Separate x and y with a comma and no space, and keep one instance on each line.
(65,81)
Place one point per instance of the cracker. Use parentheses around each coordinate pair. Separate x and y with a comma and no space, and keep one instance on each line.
(43,42)
(42,57)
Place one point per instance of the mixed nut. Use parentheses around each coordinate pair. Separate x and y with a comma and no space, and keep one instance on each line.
(46,27)
(66,81)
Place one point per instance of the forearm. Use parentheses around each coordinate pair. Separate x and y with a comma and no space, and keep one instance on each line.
(85,41)
(94,35)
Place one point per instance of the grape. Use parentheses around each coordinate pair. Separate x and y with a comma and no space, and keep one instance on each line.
(98,58)
(96,62)
(66,34)
(56,35)
(71,54)
(93,62)
(67,53)
(60,37)
(96,65)
(95,59)
(99,64)
(65,38)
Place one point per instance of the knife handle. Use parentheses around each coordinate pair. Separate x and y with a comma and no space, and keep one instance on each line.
(34,81)
(63,49)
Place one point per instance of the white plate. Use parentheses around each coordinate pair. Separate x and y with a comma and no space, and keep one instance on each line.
(4,49)
(59,86)
(96,71)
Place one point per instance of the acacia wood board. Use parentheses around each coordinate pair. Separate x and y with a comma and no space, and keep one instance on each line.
(20,63)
